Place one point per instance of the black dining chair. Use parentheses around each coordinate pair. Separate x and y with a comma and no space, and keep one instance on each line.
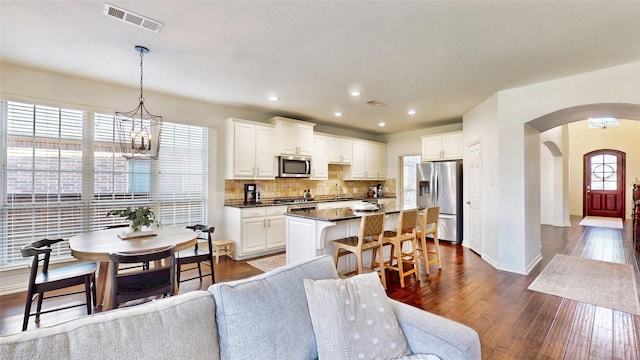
(197,255)
(154,280)
(42,279)
(122,226)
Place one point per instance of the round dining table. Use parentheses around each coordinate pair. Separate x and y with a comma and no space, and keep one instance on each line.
(97,245)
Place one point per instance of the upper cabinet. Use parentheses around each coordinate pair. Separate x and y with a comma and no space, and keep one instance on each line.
(319,165)
(293,137)
(369,161)
(447,146)
(249,150)
(340,150)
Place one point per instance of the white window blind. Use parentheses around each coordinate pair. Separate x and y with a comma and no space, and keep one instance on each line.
(181,181)
(63,173)
(42,177)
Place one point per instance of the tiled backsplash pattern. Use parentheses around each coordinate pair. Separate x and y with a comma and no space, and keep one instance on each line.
(290,187)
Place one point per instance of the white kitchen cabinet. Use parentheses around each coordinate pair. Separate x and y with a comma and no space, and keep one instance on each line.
(275,228)
(293,137)
(357,168)
(379,166)
(249,150)
(319,164)
(369,161)
(447,146)
(255,231)
(340,150)
(256,242)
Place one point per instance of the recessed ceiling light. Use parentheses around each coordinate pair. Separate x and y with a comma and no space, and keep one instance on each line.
(355,93)
(381,124)
(411,112)
(273,98)
(337,113)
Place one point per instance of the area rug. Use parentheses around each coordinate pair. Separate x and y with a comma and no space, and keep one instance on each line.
(269,263)
(601,221)
(601,283)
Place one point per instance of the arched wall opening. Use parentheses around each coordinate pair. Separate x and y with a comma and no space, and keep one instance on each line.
(560,180)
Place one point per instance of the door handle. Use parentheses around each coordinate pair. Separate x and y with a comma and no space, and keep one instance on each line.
(468,202)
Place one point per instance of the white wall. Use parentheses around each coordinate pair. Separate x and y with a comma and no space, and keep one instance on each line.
(515,237)
(554,180)
(483,128)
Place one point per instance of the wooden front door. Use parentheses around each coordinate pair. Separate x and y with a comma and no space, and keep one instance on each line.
(604,178)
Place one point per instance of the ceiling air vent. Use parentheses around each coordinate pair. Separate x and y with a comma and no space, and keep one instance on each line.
(375,103)
(132,18)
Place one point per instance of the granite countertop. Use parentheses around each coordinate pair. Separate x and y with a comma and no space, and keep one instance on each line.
(271,203)
(345,213)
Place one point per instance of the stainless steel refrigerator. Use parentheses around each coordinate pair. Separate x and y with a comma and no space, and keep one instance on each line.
(439,183)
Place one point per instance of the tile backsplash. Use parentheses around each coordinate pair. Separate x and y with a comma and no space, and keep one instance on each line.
(291,187)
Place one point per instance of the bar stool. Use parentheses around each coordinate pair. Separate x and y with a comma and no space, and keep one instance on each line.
(406,262)
(429,226)
(369,238)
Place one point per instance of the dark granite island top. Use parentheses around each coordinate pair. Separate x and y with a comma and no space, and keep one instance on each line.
(345,213)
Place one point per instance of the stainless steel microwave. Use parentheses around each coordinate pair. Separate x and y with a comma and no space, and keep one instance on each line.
(294,166)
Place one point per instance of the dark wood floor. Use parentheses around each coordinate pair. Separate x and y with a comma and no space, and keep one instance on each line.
(513,322)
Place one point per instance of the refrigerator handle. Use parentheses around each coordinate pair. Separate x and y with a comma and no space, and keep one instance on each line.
(436,189)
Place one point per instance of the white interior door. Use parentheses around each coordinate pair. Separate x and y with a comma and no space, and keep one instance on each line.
(474,195)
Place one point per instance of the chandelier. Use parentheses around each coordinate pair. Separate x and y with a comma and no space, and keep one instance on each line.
(603,122)
(138,130)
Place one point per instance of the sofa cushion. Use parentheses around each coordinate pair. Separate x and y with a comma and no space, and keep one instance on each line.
(353,319)
(266,316)
(179,327)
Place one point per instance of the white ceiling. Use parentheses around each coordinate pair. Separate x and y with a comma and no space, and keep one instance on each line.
(439,58)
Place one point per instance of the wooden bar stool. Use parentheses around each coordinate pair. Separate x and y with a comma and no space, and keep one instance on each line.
(406,262)
(222,248)
(429,226)
(369,238)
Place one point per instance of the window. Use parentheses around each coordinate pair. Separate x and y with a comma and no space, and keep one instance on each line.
(409,179)
(53,187)
(604,172)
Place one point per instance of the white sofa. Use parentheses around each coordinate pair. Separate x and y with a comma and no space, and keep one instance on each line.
(263,317)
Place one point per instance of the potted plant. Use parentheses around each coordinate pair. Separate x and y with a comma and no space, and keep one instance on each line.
(139,217)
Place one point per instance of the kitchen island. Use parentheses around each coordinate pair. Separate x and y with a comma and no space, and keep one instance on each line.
(308,233)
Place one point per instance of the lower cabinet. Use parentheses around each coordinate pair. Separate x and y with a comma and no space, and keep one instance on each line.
(255,231)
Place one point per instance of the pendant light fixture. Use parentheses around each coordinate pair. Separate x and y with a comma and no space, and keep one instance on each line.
(138,130)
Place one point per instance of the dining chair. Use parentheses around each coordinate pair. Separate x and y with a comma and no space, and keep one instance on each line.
(429,226)
(406,261)
(369,238)
(133,285)
(122,226)
(43,279)
(197,255)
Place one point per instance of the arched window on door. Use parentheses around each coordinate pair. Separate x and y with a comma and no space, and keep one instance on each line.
(604,177)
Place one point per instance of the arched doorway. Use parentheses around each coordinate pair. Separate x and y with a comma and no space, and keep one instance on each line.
(603,185)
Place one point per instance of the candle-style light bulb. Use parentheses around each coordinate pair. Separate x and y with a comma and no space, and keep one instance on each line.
(143,134)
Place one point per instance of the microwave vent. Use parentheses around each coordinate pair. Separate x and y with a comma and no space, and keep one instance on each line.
(132,18)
